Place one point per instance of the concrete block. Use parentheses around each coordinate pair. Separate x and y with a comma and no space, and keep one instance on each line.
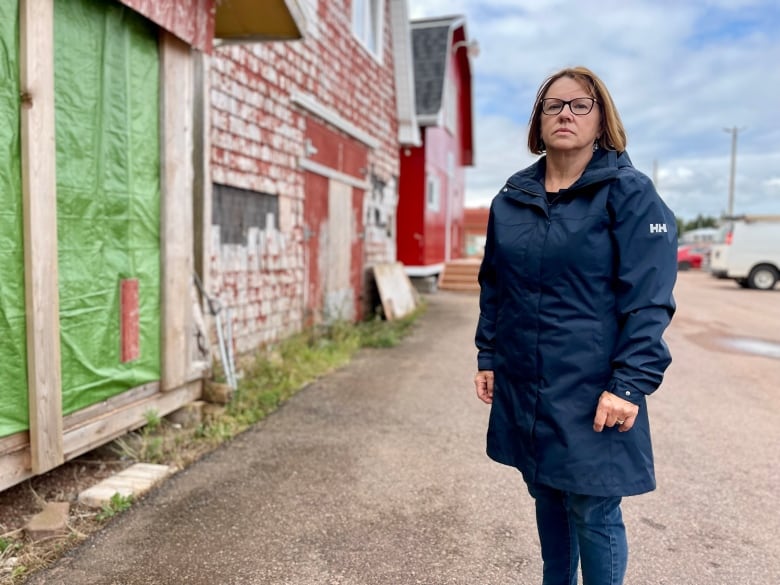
(217,392)
(188,416)
(50,522)
(134,481)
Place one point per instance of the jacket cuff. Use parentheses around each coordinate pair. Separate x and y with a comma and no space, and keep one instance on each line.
(484,361)
(625,391)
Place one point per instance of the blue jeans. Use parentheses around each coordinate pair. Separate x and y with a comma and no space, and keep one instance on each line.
(576,529)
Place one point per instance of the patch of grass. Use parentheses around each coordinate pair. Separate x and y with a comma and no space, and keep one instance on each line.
(269,377)
(378,333)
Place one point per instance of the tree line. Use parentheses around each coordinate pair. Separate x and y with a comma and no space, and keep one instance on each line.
(700,221)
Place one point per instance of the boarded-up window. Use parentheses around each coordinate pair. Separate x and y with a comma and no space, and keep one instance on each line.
(235,211)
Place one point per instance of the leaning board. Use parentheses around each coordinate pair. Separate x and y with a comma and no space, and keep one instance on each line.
(398,295)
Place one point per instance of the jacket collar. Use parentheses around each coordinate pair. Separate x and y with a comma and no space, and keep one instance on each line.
(603,166)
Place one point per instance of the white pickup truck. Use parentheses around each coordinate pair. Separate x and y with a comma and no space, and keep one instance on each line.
(748,250)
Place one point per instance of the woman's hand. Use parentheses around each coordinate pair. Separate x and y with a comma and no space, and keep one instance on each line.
(484,384)
(613,410)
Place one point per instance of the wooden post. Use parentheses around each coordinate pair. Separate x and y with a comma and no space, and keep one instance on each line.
(39,186)
(176,209)
(201,161)
(201,202)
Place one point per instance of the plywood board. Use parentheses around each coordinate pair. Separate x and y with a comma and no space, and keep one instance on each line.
(339,295)
(398,295)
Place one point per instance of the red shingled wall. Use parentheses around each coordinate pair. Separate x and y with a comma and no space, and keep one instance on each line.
(190,20)
(258,137)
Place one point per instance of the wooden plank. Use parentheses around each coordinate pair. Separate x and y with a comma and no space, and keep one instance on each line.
(399,298)
(176,219)
(339,294)
(14,468)
(97,430)
(202,214)
(202,185)
(101,430)
(14,442)
(108,406)
(39,188)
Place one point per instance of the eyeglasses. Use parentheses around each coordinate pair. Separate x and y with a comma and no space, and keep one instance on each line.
(578,106)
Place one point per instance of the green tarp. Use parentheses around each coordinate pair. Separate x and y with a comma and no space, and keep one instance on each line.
(108,194)
(108,202)
(13,354)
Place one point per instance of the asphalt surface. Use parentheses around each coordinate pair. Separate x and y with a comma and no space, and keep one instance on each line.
(376,474)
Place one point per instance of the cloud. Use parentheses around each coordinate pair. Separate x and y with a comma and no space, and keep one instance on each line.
(502,151)
(680,73)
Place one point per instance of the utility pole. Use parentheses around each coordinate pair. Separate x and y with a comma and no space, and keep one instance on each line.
(655,173)
(734,131)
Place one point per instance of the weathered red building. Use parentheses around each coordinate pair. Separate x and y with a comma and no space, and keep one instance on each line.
(432,182)
(305,164)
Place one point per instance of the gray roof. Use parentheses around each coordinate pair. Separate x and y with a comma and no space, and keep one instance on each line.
(429,50)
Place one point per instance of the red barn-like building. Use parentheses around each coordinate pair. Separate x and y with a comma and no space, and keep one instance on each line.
(432,181)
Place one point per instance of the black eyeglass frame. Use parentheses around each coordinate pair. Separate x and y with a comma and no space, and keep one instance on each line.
(564,103)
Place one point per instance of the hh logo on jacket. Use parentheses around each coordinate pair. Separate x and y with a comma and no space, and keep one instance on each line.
(657,228)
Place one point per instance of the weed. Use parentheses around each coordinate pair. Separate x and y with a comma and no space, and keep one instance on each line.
(152,420)
(153,450)
(18,571)
(116,505)
(124,448)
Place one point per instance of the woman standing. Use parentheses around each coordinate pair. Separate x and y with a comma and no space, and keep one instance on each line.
(576,291)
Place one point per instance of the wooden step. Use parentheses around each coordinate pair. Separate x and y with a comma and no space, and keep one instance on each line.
(460,275)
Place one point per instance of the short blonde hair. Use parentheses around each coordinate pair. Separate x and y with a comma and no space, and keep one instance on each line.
(612,135)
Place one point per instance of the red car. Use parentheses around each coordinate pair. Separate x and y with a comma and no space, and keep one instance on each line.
(691,256)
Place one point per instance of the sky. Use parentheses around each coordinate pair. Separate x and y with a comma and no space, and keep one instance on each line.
(682,74)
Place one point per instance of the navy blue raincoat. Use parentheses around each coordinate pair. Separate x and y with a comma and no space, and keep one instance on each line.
(575,295)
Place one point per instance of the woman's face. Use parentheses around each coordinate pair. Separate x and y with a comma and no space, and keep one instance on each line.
(566,131)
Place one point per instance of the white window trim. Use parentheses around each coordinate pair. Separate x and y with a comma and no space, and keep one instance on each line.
(379,26)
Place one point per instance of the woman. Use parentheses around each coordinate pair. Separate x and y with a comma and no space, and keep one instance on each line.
(576,291)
